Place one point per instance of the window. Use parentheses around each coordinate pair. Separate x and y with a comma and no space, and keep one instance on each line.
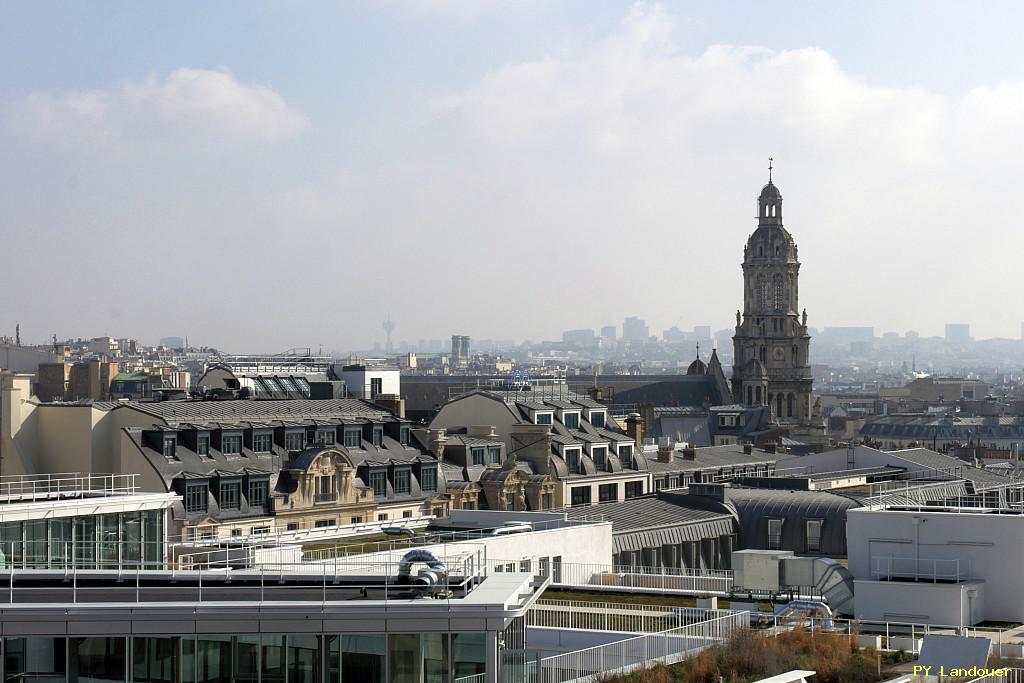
(525,566)
(231,444)
(170,446)
(494,455)
(378,435)
(774,534)
(580,495)
(599,454)
(321,523)
(428,479)
(543,418)
(236,532)
(814,535)
(379,483)
(597,418)
(258,491)
(543,565)
(546,501)
(196,496)
(571,420)
(325,488)
(607,492)
(634,489)
(406,514)
(476,455)
(230,495)
(572,459)
(626,454)
(260,530)
(403,435)
(295,440)
(326,437)
(262,442)
(376,386)
(353,437)
(293,526)
(383,517)
(203,445)
(779,292)
(402,481)
(356,520)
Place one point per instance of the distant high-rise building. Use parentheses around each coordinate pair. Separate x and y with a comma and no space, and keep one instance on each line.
(610,333)
(634,329)
(958,333)
(460,350)
(578,337)
(702,332)
(172,342)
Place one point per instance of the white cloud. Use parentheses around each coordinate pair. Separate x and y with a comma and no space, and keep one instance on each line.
(190,110)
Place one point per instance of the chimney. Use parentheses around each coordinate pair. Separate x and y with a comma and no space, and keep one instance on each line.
(689,454)
(434,439)
(769,448)
(748,449)
(635,428)
(665,454)
(532,443)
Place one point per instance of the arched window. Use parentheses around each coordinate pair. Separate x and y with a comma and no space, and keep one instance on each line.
(789,404)
(762,292)
(778,405)
(778,293)
(750,395)
(757,395)
(796,355)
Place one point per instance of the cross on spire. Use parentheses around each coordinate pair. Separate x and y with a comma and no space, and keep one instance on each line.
(770,160)
(698,350)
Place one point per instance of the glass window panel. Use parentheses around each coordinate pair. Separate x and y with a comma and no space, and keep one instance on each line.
(131,539)
(156,660)
(96,660)
(362,658)
(469,653)
(85,542)
(35,659)
(303,659)
(109,536)
(60,541)
(434,652)
(247,658)
(405,663)
(35,544)
(11,545)
(153,537)
(211,657)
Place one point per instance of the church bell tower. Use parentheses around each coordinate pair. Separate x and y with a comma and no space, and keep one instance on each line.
(771,363)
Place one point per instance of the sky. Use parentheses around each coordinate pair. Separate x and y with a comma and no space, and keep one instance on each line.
(261,176)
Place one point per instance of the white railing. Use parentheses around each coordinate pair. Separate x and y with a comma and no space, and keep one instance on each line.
(927,569)
(32,487)
(666,647)
(640,579)
(475,678)
(614,616)
(1004,675)
(213,534)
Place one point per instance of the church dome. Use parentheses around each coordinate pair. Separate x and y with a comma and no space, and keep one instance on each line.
(770,192)
(697,367)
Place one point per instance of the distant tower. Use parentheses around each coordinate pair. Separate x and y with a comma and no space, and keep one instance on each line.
(460,350)
(17,334)
(771,364)
(389,326)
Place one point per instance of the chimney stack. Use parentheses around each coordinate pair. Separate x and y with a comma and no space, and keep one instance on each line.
(689,454)
(635,428)
(769,448)
(748,449)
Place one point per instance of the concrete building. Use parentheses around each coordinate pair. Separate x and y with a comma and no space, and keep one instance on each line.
(936,390)
(369,381)
(460,351)
(635,330)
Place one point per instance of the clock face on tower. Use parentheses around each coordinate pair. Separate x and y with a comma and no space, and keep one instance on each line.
(779,353)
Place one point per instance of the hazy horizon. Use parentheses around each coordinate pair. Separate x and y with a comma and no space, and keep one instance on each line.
(259,177)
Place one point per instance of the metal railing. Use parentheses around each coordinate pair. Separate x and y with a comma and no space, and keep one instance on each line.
(920,568)
(475,678)
(614,616)
(219,583)
(40,553)
(640,579)
(276,533)
(32,487)
(665,647)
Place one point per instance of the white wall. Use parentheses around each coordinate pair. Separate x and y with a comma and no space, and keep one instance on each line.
(946,604)
(988,546)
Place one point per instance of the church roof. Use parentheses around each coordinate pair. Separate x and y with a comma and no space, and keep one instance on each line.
(770,191)
(697,367)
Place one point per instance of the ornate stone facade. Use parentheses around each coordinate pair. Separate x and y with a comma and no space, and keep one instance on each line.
(771,346)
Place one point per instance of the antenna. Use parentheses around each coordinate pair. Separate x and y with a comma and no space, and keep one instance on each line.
(388,326)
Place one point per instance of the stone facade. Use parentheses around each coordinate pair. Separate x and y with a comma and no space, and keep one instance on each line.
(771,345)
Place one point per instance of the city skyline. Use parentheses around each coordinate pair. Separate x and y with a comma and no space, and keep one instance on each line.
(599,155)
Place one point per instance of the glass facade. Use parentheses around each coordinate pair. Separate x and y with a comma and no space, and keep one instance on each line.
(126,539)
(257,658)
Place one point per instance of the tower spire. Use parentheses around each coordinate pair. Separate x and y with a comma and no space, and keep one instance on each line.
(770,160)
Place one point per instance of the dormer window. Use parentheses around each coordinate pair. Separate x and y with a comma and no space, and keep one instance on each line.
(572,459)
(295,440)
(170,446)
(353,437)
(599,454)
(476,454)
(403,434)
(543,418)
(571,420)
(231,443)
(378,435)
(262,442)
(401,482)
(597,418)
(625,454)
(494,455)
(326,436)
(203,445)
